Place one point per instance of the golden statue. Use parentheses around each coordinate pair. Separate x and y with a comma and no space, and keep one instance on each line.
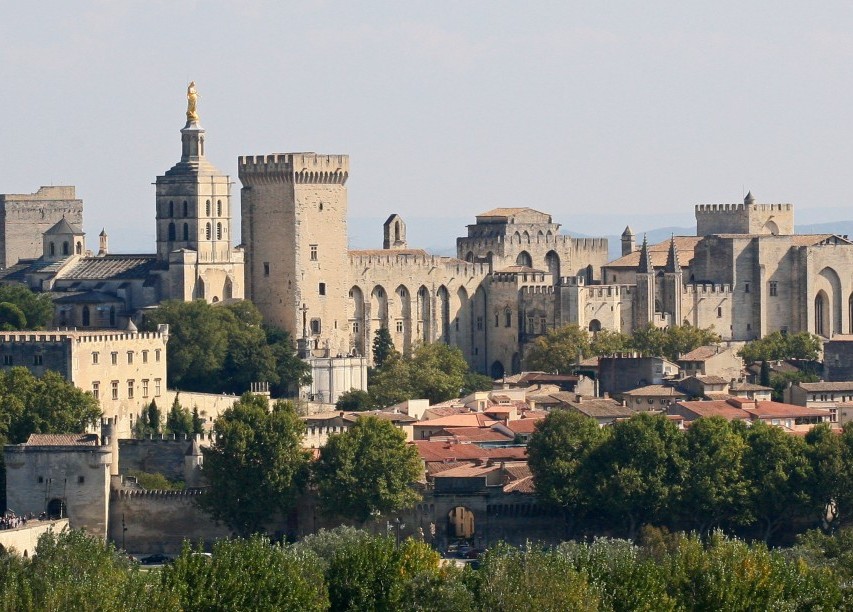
(192,99)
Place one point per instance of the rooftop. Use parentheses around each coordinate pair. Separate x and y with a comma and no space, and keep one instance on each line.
(62,440)
(684,245)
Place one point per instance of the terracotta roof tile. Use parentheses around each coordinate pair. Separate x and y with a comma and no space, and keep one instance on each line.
(62,440)
(685,245)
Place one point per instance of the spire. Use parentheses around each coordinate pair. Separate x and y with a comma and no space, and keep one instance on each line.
(645,266)
(628,232)
(672,257)
(749,199)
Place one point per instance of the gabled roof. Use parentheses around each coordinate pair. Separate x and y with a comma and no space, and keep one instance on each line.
(703,353)
(472,419)
(522,426)
(601,408)
(112,267)
(433,450)
(64,227)
(508,212)
(473,434)
(685,245)
(818,387)
(655,390)
(62,440)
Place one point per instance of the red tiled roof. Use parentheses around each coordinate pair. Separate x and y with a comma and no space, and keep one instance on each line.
(523,485)
(684,245)
(62,440)
(473,434)
(523,426)
(468,471)
(431,450)
(714,408)
(507,453)
(701,354)
(767,410)
(472,419)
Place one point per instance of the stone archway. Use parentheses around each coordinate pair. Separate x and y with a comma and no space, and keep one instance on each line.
(461,523)
(56,509)
(497,370)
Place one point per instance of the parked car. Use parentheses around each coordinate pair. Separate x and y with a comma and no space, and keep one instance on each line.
(156,559)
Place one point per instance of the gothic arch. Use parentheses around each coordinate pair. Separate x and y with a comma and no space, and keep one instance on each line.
(552,264)
(356,319)
(771,227)
(78,250)
(497,370)
(829,282)
(199,288)
(65,248)
(524,259)
(821,314)
(470,257)
(442,307)
(424,314)
(595,326)
(228,289)
(526,236)
(479,320)
(402,332)
(379,307)
(462,323)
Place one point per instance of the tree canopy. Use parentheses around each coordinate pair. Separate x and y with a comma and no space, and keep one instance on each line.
(777,346)
(383,346)
(223,348)
(559,350)
(21,308)
(256,465)
(367,469)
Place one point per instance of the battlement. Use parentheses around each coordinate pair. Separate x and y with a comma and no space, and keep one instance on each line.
(403,261)
(50,192)
(724,208)
(552,240)
(747,217)
(80,337)
(537,290)
(707,288)
(158,493)
(301,168)
(166,439)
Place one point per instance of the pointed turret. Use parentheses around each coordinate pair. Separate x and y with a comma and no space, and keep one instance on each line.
(103,246)
(645,266)
(749,199)
(627,241)
(672,258)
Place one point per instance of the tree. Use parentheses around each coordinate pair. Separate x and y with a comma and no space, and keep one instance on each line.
(383,346)
(829,478)
(11,317)
(391,383)
(558,448)
(714,489)
(764,375)
(559,350)
(366,470)
(777,471)
(672,342)
(179,421)
(437,372)
(225,347)
(608,342)
(354,400)
(474,381)
(198,422)
(37,308)
(777,346)
(256,465)
(636,473)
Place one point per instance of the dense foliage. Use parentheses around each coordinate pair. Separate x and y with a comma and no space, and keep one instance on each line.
(758,480)
(346,570)
(777,346)
(256,465)
(367,470)
(560,350)
(20,308)
(437,372)
(223,348)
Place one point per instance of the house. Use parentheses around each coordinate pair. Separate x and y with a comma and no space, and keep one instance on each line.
(565,382)
(625,372)
(704,386)
(751,391)
(424,430)
(826,395)
(604,410)
(652,397)
(713,360)
(792,418)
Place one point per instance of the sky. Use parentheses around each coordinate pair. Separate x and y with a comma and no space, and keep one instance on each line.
(602,114)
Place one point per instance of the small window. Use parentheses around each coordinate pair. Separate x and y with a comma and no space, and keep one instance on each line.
(266,268)
(96,389)
(322,288)
(313,249)
(157,355)
(774,288)
(114,388)
(480,323)
(651,401)
(114,358)
(81,479)
(144,356)
(219,231)
(543,324)
(37,360)
(399,327)
(508,318)
(186,209)
(746,287)
(207,231)
(355,327)
(95,357)
(130,389)
(497,320)
(171,209)
(207,208)
(719,312)
(40,479)
(156,387)
(130,357)
(145,388)
(315,326)
(218,208)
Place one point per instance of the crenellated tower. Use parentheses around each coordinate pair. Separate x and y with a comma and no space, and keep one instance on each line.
(294,226)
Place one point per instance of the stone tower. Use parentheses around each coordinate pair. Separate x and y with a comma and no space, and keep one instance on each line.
(644,309)
(672,284)
(63,240)
(194,225)
(394,233)
(294,226)
(627,241)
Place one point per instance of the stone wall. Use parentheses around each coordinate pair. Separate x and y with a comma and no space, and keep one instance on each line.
(23,540)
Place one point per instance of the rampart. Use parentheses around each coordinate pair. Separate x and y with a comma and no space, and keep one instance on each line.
(23,540)
(307,168)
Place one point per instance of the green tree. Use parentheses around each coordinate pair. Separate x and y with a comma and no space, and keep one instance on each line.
(251,574)
(11,317)
(474,381)
(437,372)
(672,342)
(256,465)
(559,350)
(37,308)
(829,478)
(179,421)
(764,376)
(367,469)
(391,384)
(649,340)
(777,346)
(714,489)
(608,342)
(558,448)
(198,422)
(291,371)
(383,346)
(777,471)
(636,473)
(354,400)
(153,418)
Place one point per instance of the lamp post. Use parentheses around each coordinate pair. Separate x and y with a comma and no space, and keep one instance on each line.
(123,531)
(398,526)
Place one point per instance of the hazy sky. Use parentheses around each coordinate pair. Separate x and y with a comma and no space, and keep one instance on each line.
(599,113)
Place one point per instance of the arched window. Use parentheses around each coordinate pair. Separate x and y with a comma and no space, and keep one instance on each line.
(218,208)
(207,231)
(79,248)
(186,209)
(207,208)
(86,317)
(186,232)
(171,209)
(524,259)
(171,231)
(52,249)
(65,250)
(820,314)
(507,318)
(219,231)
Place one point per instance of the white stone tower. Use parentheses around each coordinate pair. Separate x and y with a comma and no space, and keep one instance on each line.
(194,224)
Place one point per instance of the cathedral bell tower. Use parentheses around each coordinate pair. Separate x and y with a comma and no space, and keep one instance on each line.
(194,221)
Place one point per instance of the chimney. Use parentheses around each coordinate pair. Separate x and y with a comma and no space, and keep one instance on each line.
(579,398)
